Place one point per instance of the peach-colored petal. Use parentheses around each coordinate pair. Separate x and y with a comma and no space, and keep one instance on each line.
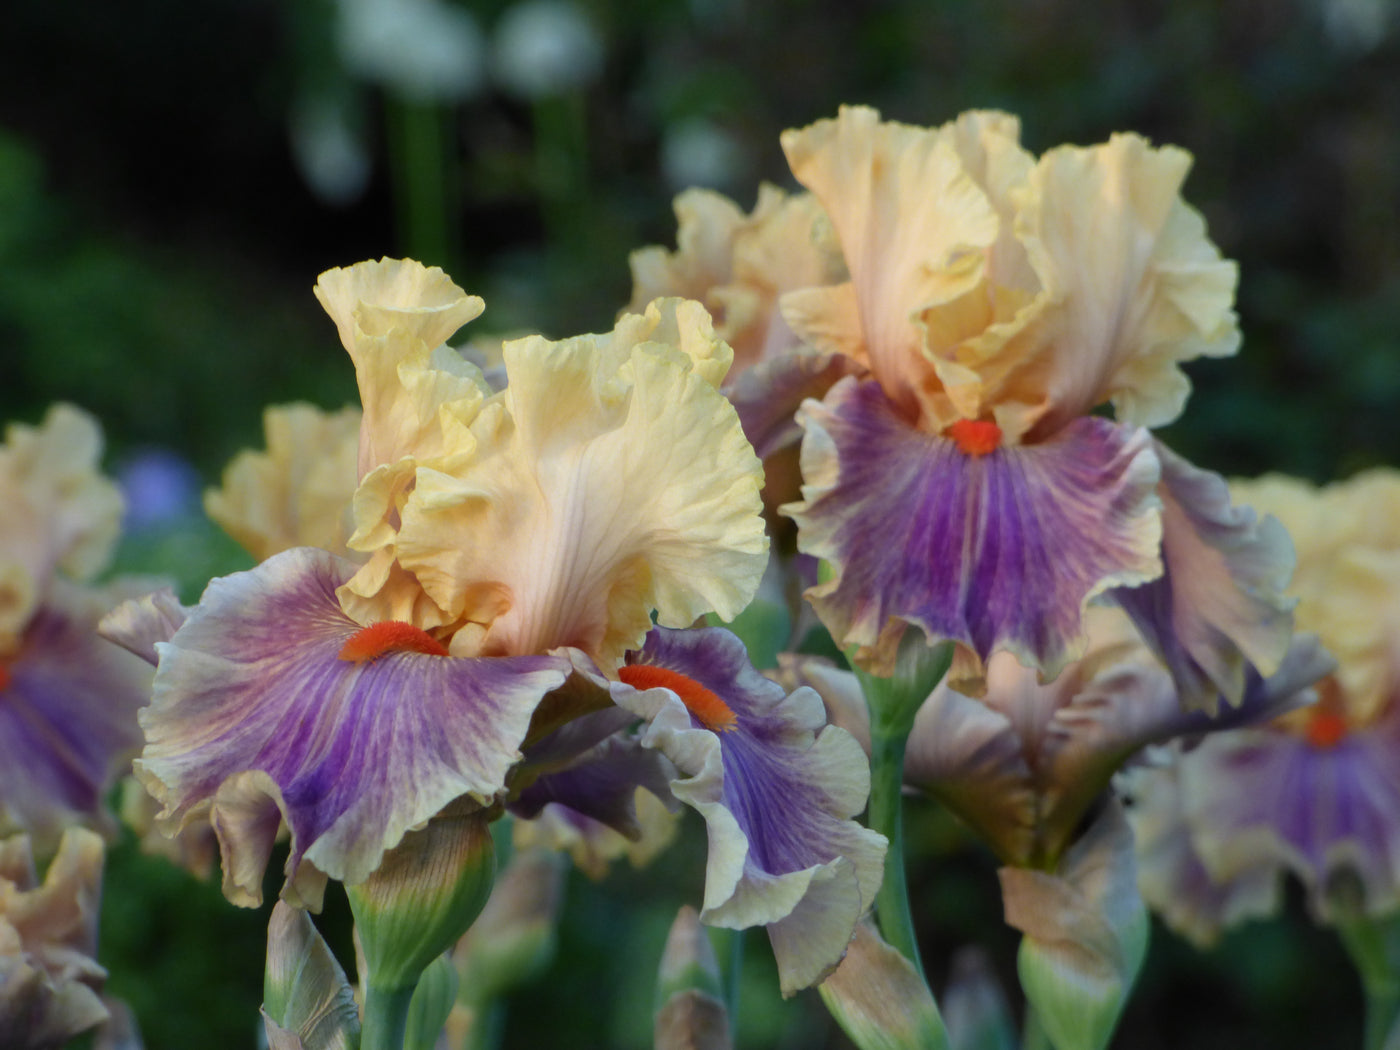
(915,228)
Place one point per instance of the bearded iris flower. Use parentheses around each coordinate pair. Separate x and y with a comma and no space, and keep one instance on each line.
(68,699)
(966,485)
(511,551)
(1316,792)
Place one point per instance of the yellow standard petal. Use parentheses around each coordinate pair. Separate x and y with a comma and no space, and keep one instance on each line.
(609,479)
(57,511)
(296,493)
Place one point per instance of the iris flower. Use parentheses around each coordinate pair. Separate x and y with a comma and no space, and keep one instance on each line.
(68,699)
(512,550)
(1317,792)
(967,484)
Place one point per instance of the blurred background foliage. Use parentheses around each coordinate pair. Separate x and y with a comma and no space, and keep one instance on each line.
(173,176)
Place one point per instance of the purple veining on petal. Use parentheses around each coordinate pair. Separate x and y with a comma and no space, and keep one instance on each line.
(1268,794)
(359,752)
(1218,606)
(67,718)
(777,797)
(999,551)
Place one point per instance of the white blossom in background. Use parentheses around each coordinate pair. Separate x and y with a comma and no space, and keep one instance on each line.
(423,50)
(698,152)
(329,151)
(545,47)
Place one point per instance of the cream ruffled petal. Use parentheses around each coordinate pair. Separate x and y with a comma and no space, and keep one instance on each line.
(56,511)
(296,493)
(1136,285)
(392,315)
(611,478)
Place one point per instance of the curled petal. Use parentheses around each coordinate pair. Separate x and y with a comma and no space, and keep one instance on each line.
(137,625)
(56,511)
(67,717)
(391,315)
(1219,605)
(253,705)
(296,493)
(1001,551)
(777,790)
(611,478)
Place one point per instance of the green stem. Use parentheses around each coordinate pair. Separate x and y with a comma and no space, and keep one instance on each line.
(386,1017)
(1375,952)
(887,817)
(419,134)
(733,981)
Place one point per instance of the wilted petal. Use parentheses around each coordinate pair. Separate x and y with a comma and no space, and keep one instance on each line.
(610,478)
(777,789)
(296,493)
(352,753)
(1001,551)
(1219,604)
(690,1014)
(56,511)
(68,706)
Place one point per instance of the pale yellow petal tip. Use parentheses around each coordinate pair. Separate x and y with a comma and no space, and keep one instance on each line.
(297,492)
(377,296)
(61,513)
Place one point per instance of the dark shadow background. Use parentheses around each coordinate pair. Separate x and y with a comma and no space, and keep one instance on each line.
(158,244)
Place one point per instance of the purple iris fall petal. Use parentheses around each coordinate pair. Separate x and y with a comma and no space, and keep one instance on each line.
(1218,606)
(1318,810)
(777,790)
(997,551)
(253,705)
(67,717)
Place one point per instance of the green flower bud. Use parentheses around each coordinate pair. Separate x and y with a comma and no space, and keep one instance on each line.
(879,999)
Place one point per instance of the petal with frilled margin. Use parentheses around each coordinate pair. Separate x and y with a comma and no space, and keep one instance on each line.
(1219,604)
(610,478)
(777,791)
(354,754)
(1000,551)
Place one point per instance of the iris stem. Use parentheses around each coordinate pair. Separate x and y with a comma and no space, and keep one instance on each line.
(886,816)
(733,981)
(386,1017)
(1374,947)
(420,133)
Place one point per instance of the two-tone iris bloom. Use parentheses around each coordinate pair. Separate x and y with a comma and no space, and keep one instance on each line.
(68,699)
(969,485)
(491,642)
(1317,792)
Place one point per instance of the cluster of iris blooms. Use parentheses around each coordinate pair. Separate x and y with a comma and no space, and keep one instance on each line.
(913,403)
